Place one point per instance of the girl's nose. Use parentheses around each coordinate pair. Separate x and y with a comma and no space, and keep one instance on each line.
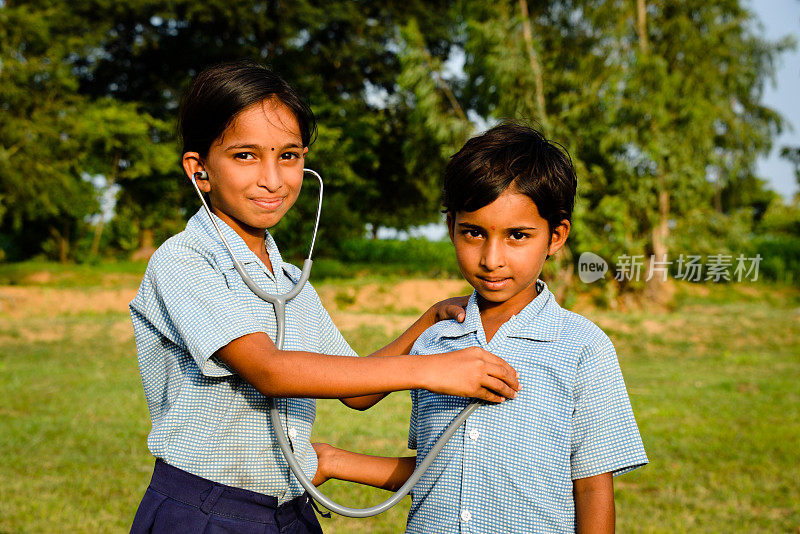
(492,257)
(270,177)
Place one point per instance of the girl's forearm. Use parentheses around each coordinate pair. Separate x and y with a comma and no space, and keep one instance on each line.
(380,472)
(278,373)
(401,345)
(471,372)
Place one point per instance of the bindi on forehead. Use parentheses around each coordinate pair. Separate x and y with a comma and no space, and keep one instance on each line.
(273,149)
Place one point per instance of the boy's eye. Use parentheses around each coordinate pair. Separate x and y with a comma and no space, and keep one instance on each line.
(471,232)
(518,235)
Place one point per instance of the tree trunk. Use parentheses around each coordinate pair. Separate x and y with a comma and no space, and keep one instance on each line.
(533,59)
(656,286)
(146,249)
(98,232)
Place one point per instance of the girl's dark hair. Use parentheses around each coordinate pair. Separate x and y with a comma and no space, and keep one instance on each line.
(506,155)
(221,92)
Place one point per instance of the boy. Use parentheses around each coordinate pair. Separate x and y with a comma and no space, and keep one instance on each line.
(544,461)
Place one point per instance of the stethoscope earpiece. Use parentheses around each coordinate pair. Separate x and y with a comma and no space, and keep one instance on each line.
(201,175)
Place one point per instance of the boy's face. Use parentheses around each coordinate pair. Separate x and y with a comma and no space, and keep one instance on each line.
(501,249)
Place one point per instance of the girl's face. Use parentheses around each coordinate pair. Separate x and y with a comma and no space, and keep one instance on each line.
(255,168)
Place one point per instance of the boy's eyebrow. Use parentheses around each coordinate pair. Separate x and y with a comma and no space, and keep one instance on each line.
(260,147)
(512,229)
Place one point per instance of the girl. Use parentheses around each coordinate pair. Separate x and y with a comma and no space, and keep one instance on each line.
(204,340)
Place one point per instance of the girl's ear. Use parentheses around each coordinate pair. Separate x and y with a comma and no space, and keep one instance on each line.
(558,237)
(192,165)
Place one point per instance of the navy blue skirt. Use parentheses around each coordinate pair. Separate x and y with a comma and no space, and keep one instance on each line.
(178,502)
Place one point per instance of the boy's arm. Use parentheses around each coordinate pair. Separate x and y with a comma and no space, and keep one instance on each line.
(452,308)
(380,472)
(594,504)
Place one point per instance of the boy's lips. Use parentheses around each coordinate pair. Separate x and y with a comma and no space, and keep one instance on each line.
(269,203)
(495,283)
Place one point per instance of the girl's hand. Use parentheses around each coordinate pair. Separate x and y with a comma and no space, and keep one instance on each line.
(471,372)
(324,457)
(452,308)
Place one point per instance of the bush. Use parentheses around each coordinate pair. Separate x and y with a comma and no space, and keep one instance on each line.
(780,257)
(413,255)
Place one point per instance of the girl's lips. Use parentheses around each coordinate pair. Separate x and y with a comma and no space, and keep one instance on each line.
(268,203)
(495,283)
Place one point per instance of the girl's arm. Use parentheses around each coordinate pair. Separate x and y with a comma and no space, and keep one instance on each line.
(377,471)
(594,504)
(471,372)
(452,308)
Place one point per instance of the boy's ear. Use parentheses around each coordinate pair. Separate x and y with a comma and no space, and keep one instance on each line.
(451,223)
(559,237)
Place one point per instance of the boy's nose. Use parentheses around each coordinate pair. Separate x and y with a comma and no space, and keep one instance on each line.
(492,257)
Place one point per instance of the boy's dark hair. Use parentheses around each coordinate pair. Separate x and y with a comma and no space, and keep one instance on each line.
(511,155)
(221,92)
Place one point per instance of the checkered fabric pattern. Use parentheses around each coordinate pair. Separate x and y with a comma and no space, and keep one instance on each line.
(510,467)
(207,420)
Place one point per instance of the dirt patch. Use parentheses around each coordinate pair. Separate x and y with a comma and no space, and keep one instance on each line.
(402,297)
(50,302)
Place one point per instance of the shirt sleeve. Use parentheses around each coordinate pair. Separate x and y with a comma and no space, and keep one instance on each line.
(193,306)
(412,424)
(605,437)
(417,348)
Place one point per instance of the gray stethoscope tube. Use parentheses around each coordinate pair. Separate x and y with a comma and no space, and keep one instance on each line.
(279,303)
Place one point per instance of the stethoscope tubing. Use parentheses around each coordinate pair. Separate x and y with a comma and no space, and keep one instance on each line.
(279,304)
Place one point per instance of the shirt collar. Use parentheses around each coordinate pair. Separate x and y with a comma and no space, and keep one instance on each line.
(201,223)
(539,320)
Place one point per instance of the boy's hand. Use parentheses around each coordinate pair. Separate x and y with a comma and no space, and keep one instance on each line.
(471,372)
(324,456)
(452,308)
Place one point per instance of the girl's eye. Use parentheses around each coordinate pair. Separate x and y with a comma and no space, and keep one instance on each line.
(290,155)
(244,155)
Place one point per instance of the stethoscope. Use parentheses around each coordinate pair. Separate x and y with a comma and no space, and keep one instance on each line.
(279,303)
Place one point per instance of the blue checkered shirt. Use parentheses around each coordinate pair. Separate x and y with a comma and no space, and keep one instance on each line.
(510,467)
(207,420)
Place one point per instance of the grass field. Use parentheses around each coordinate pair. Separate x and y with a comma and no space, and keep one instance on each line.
(713,382)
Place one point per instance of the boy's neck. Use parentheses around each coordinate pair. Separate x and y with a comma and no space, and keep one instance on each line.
(496,314)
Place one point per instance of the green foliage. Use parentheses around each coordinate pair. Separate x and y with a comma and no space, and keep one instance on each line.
(412,255)
(780,257)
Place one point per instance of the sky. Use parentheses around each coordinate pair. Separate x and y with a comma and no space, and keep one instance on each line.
(781,18)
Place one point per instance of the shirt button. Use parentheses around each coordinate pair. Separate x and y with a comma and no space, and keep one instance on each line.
(474,435)
(466,515)
(293,432)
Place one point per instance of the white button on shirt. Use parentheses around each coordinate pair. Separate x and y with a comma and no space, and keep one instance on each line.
(466,515)
(293,432)
(474,434)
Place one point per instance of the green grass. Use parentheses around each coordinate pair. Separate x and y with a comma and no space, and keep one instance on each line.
(713,382)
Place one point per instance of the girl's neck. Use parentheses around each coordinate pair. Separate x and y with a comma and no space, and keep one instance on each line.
(254,238)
